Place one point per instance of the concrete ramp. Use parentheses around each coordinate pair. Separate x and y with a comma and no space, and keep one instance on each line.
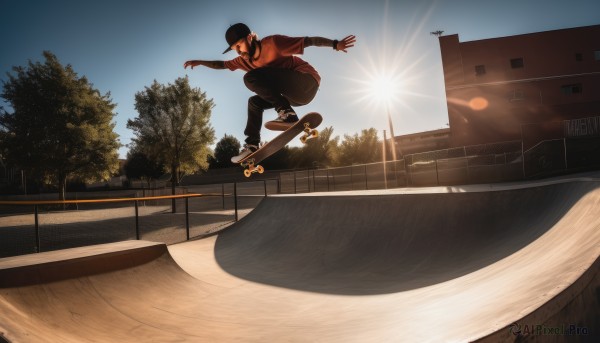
(437,264)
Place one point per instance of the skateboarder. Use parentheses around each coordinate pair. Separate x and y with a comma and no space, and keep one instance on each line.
(279,79)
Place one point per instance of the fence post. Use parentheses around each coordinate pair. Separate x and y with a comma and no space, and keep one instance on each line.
(333,173)
(279,184)
(385,185)
(137,221)
(265,182)
(295,190)
(235,201)
(396,171)
(366,179)
(187,218)
(38,247)
(223,194)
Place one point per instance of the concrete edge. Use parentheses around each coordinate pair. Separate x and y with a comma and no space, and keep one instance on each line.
(53,266)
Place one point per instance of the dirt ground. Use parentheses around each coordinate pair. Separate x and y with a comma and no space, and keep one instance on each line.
(60,229)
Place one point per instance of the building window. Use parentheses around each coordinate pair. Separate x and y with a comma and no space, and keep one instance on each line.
(572,89)
(597,55)
(516,95)
(480,70)
(578,57)
(516,63)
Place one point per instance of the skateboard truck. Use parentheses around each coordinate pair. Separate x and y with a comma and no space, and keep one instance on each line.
(308,133)
(251,168)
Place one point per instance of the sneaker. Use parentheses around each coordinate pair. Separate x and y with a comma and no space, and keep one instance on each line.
(248,149)
(286,115)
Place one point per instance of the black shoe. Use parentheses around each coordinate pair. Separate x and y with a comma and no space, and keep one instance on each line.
(286,116)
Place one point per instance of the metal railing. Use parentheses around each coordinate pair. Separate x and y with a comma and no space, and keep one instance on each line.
(489,163)
(136,201)
(215,212)
(358,177)
(42,225)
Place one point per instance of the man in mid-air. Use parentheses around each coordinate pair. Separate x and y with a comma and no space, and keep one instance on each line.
(278,77)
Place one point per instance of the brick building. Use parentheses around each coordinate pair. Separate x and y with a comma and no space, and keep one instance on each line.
(528,87)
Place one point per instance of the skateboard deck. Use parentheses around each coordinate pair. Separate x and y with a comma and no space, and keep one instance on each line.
(306,124)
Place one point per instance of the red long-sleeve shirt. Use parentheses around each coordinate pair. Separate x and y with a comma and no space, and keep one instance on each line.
(277,51)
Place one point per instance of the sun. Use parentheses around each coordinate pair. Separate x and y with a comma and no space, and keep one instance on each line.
(387,73)
(382,87)
(381,84)
(385,89)
(383,78)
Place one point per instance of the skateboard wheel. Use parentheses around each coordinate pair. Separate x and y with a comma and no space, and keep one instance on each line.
(247,173)
(303,139)
(314,133)
(260,169)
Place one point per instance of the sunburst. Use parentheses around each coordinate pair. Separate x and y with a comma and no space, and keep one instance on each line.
(386,76)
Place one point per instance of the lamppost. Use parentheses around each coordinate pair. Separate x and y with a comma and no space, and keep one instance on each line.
(383,153)
(392,141)
(385,89)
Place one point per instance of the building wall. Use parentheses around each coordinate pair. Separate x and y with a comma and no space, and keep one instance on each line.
(423,141)
(495,86)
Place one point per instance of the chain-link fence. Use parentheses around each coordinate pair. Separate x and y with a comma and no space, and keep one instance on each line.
(29,226)
(472,164)
(83,223)
(488,163)
(562,155)
(357,177)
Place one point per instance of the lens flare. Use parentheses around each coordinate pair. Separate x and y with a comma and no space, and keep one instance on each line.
(478,104)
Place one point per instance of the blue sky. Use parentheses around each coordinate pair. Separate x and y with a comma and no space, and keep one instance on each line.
(122,46)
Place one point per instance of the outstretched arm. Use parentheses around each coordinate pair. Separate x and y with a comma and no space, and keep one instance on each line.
(209,64)
(342,45)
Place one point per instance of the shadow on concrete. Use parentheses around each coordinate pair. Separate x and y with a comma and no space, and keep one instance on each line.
(365,245)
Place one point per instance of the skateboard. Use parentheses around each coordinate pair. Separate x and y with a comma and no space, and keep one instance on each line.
(306,124)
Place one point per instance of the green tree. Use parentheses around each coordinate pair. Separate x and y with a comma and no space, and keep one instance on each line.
(318,152)
(225,149)
(281,159)
(59,126)
(139,166)
(356,149)
(173,125)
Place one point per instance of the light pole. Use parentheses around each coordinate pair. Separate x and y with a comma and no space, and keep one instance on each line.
(384,160)
(391,133)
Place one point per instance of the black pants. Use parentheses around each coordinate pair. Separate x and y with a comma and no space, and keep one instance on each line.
(275,88)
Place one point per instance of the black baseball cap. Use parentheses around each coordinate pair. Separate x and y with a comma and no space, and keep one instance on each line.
(235,33)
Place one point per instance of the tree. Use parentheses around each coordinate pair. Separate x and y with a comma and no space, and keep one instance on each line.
(360,149)
(60,127)
(173,126)
(281,159)
(139,166)
(225,149)
(320,151)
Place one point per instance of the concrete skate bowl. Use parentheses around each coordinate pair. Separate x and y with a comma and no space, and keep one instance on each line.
(432,265)
(391,242)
